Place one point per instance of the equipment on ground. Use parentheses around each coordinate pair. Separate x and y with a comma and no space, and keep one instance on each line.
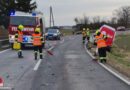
(49,52)
(95,59)
(16,46)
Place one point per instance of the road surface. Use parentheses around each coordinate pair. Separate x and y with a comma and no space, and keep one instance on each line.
(71,68)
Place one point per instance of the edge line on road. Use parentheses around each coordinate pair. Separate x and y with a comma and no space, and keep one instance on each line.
(6,88)
(37,65)
(5,50)
(108,69)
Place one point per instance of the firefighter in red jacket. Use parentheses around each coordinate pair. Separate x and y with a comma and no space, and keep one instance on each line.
(100,41)
(38,42)
(18,39)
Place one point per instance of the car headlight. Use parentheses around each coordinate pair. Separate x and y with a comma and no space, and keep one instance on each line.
(55,34)
(12,37)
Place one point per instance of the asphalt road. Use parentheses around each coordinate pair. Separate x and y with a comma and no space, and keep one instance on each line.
(71,68)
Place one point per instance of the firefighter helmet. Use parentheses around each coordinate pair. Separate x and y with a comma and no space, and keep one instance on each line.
(20,27)
(97,31)
(37,30)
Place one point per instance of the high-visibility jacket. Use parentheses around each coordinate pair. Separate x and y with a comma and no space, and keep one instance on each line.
(88,33)
(37,39)
(83,33)
(100,41)
(20,36)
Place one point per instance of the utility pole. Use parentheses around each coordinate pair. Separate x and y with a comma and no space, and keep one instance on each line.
(51,17)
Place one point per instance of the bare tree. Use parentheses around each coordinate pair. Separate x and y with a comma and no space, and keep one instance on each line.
(86,20)
(123,15)
(96,19)
(77,21)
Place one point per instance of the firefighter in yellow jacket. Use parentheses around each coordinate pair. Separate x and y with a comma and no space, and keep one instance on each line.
(19,38)
(38,42)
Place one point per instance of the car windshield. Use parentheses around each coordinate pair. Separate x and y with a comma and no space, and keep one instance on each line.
(52,31)
(24,20)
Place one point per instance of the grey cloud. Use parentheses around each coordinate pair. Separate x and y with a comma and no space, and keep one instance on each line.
(66,10)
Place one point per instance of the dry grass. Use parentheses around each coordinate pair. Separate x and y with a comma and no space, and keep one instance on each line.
(119,57)
(67,32)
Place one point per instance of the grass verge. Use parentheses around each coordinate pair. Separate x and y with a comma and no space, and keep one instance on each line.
(67,32)
(119,57)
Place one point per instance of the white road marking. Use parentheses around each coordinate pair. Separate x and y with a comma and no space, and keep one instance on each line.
(40,60)
(114,73)
(4,50)
(37,65)
(109,70)
(51,48)
(6,88)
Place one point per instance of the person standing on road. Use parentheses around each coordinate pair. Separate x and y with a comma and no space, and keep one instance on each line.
(88,34)
(18,39)
(100,41)
(38,43)
(84,34)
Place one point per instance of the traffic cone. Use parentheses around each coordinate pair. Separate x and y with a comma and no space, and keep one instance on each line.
(54,43)
(1,83)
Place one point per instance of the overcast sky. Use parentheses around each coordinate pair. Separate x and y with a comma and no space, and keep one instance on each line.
(66,10)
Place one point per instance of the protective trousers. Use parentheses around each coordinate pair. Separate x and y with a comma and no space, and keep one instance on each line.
(20,52)
(36,49)
(102,54)
(88,38)
(84,37)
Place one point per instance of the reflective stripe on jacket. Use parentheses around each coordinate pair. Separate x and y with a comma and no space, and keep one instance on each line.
(88,33)
(20,36)
(100,41)
(37,39)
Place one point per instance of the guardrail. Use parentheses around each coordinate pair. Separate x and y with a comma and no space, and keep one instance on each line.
(4,42)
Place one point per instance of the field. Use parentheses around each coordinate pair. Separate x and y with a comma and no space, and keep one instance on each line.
(119,57)
(67,32)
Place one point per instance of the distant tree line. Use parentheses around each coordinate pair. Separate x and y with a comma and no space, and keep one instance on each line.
(7,6)
(121,17)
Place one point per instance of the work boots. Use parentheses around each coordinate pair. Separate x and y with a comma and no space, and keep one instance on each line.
(103,61)
(41,57)
(20,55)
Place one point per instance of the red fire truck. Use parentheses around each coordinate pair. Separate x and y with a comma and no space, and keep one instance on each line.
(30,22)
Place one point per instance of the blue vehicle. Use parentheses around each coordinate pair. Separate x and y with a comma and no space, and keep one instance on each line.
(53,34)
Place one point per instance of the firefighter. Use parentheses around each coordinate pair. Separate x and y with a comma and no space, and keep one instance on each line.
(84,34)
(38,42)
(18,39)
(88,34)
(100,41)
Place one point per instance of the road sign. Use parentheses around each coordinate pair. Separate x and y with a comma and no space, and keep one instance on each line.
(110,32)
